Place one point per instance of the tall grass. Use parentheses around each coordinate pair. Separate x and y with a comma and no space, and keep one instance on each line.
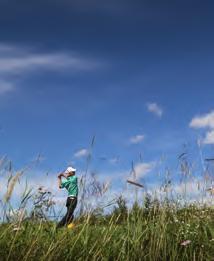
(159,228)
(157,234)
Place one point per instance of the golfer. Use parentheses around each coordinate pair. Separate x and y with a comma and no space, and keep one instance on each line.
(68,180)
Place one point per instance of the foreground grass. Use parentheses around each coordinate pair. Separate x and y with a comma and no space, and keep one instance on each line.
(166,234)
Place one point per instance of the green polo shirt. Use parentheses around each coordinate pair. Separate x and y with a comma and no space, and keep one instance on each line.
(71,185)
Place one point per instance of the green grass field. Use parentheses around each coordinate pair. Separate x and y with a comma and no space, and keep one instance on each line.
(141,234)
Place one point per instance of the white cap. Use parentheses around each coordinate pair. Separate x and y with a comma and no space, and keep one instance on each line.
(70,169)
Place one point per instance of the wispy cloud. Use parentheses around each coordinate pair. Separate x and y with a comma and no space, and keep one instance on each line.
(140,170)
(81,153)
(19,61)
(155,109)
(205,121)
(15,60)
(136,139)
(32,62)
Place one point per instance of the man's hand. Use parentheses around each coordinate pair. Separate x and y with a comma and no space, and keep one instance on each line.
(59,180)
(60,175)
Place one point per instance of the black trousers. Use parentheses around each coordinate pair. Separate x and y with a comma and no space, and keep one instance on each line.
(71,204)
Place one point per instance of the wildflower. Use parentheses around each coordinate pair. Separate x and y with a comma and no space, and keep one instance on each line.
(43,190)
(186,242)
(17,228)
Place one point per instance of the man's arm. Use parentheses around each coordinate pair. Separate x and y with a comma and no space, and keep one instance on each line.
(60,180)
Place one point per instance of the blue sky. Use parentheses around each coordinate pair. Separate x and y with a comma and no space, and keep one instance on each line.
(133,73)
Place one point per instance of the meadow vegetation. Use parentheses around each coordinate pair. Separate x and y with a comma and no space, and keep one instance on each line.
(150,229)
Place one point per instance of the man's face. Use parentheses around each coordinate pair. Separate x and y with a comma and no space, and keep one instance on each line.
(70,174)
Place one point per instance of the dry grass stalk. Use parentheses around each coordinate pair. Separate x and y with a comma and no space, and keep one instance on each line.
(135,183)
(11,186)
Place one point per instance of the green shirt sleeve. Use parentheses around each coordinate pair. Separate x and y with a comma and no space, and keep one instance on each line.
(65,183)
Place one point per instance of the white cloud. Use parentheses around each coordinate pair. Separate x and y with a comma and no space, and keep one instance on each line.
(190,188)
(209,138)
(32,62)
(204,121)
(136,139)
(155,109)
(81,153)
(15,60)
(191,192)
(120,176)
(19,61)
(142,169)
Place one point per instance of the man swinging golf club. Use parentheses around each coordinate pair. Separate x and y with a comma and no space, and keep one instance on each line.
(70,183)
